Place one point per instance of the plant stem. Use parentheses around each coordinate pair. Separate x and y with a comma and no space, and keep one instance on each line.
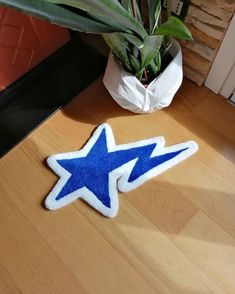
(145,75)
(133,4)
(169,8)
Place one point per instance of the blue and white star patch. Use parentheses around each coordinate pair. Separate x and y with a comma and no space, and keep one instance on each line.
(101,168)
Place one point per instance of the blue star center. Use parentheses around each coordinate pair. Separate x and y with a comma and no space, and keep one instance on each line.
(92,171)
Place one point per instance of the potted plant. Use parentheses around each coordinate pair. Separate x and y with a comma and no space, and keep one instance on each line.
(144,69)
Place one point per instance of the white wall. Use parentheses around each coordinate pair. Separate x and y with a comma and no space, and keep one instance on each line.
(224,62)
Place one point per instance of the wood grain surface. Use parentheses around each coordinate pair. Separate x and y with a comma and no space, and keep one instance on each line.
(174,234)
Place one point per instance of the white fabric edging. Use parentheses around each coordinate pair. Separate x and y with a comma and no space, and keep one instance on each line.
(118,178)
(130,94)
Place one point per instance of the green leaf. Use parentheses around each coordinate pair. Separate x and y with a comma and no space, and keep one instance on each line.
(58,15)
(155,64)
(153,68)
(165,49)
(135,64)
(116,42)
(133,40)
(108,10)
(154,7)
(128,6)
(139,74)
(175,28)
(152,45)
(112,24)
(158,61)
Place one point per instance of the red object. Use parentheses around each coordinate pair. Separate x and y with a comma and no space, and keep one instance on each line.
(24,42)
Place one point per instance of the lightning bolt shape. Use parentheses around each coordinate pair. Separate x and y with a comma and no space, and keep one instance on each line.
(101,168)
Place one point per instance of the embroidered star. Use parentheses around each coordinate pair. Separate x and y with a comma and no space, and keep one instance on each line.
(101,168)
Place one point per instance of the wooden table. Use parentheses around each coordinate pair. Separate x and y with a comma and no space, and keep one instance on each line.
(174,234)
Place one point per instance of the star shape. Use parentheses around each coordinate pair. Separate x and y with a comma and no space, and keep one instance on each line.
(101,168)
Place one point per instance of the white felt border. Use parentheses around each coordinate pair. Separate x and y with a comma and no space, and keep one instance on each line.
(118,178)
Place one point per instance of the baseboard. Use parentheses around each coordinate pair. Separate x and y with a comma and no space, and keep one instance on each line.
(31,99)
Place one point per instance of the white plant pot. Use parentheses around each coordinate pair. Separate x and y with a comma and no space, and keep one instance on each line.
(130,94)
